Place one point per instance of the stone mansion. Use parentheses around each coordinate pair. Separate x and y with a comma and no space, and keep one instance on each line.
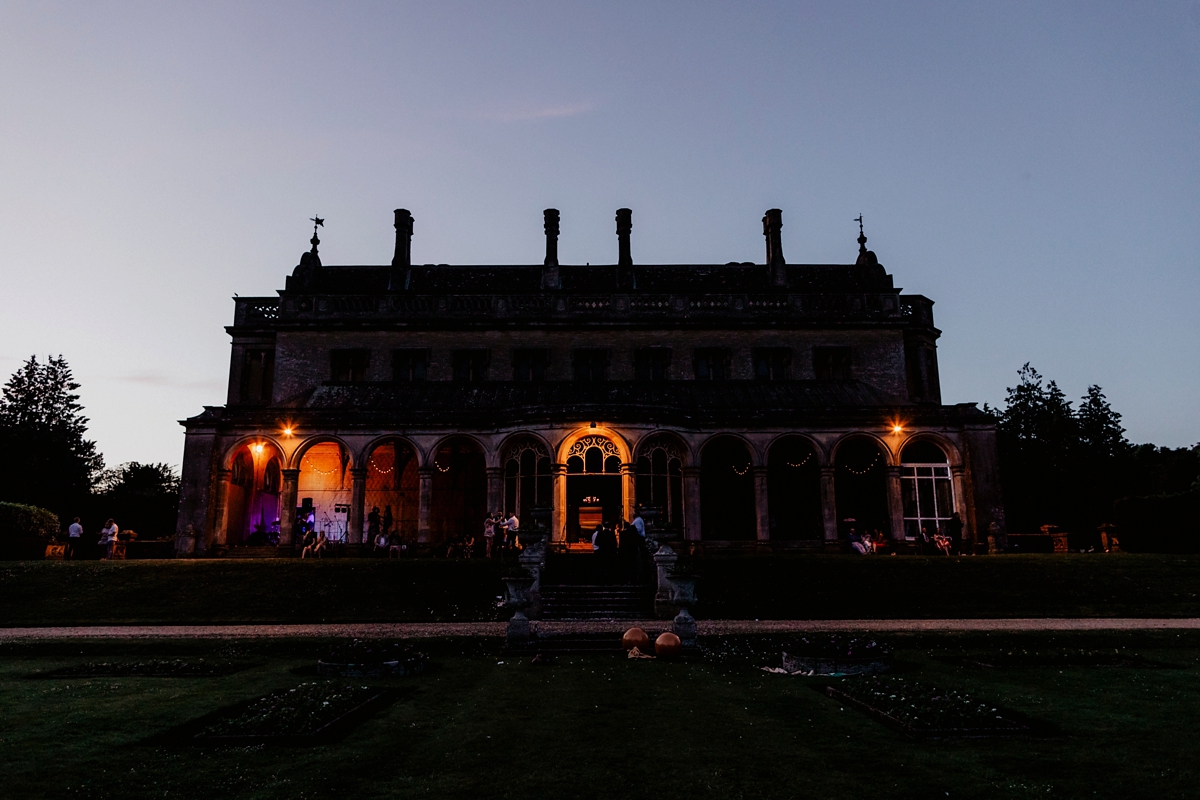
(763,405)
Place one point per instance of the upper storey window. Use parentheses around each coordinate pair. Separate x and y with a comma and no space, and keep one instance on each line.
(712,364)
(409,365)
(258,376)
(651,363)
(470,365)
(831,363)
(771,363)
(349,366)
(591,364)
(530,365)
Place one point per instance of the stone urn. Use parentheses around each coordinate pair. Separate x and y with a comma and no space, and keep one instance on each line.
(517,588)
(683,596)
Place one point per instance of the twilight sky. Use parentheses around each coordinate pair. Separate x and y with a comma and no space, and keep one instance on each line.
(1033,168)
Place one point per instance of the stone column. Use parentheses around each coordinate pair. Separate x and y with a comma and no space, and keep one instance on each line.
(628,488)
(220,524)
(425,503)
(495,489)
(895,503)
(829,504)
(762,516)
(287,506)
(957,478)
(558,521)
(358,499)
(691,504)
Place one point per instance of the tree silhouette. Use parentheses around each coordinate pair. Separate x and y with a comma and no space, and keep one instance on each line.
(48,461)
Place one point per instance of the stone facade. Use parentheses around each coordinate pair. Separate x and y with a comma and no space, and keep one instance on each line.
(772,404)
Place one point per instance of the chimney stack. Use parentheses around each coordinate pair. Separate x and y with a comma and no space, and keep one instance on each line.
(624,228)
(550,279)
(772,230)
(404,231)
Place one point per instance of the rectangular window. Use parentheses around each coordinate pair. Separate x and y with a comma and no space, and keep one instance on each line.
(349,366)
(530,365)
(927,495)
(591,364)
(651,363)
(771,363)
(409,365)
(831,363)
(258,376)
(470,365)
(712,364)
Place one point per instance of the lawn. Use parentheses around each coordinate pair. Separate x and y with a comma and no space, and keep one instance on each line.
(479,723)
(774,587)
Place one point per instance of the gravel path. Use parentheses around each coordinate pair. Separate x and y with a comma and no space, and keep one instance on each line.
(419,630)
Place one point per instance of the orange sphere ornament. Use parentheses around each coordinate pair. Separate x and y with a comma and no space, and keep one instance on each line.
(635,637)
(667,645)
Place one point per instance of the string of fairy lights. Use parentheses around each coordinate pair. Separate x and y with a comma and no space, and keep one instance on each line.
(866,469)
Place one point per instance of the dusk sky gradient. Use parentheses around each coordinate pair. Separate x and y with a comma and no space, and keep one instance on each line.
(1034,168)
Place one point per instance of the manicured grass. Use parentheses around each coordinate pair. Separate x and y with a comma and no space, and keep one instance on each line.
(774,587)
(603,727)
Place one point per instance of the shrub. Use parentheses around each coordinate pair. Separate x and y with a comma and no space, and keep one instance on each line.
(1165,523)
(25,531)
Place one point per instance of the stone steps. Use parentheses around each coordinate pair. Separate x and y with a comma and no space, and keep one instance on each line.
(595,601)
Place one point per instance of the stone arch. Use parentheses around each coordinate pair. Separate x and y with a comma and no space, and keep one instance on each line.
(661,457)
(254,466)
(250,441)
(927,496)
(392,492)
(623,450)
(888,454)
(861,462)
(727,489)
(501,452)
(794,488)
(948,448)
(458,493)
(321,438)
(323,488)
(822,453)
(597,479)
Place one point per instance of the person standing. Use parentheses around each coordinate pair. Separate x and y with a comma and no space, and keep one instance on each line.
(108,538)
(954,530)
(489,533)
(512,526)
(639,523)
(374,525)
(74,534)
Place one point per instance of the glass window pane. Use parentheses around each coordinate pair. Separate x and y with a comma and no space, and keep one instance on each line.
(908,495)
(945,498)
(925,497)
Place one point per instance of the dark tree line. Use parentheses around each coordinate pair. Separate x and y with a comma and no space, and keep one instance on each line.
(50,463)
(1074,467)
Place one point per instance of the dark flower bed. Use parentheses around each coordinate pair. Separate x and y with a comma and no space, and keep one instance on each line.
(927,710)
(301,711)
(360,658)
(1060,657)
(174,668)
(839,646)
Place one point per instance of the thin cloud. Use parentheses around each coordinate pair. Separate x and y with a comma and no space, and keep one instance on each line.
(166,381)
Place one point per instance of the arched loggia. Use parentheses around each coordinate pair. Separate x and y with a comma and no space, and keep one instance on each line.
(794,489)
(459,491)
(861,487)
(726,491)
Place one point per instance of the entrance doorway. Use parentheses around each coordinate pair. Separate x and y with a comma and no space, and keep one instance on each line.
(593,486)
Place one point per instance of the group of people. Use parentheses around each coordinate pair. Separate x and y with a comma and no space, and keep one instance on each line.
(622,546)
(109,537)
(946,540)
(385,541)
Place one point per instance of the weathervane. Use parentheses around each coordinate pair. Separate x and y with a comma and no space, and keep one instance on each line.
(858,219)
(315,220)
(862,237)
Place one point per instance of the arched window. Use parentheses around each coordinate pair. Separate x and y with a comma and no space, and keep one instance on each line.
(242,473)
(272,478)
(926,490)
(660,480)
(593,455)
(527,480)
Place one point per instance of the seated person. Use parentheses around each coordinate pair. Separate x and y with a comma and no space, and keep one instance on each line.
(394,546)
(381,544)
(321,545)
